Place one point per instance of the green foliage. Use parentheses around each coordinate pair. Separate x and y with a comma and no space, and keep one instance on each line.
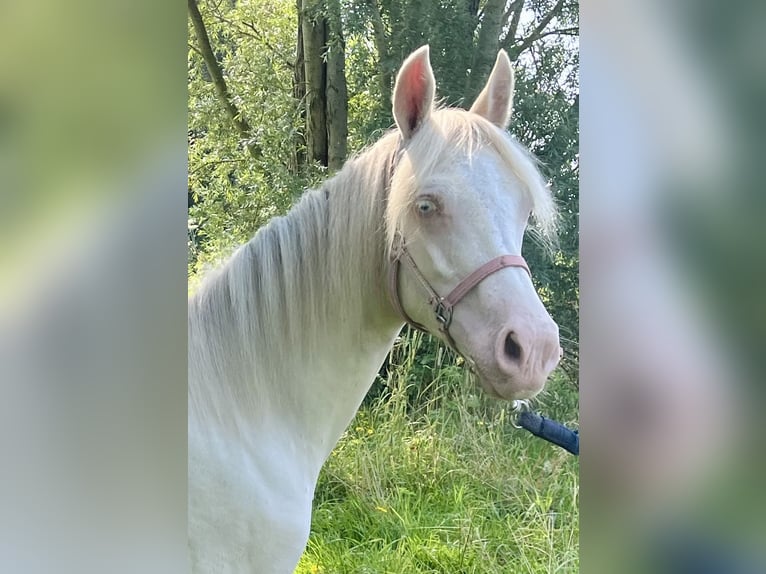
(435,478)
(368,118)
(446,26)
(231,193)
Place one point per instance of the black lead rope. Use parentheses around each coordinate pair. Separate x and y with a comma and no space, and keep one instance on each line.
(550,430)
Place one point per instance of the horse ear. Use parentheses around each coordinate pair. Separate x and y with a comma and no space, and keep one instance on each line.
(495,102)
(414,92)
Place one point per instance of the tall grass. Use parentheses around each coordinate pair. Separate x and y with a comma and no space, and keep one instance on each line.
(432,476)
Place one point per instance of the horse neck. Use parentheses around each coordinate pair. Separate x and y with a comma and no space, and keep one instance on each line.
(307,322)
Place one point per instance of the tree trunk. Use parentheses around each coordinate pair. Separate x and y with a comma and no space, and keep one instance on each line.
(486,48)
(314,30)
(326,96)
(299,93)
(517,8)
(337,93)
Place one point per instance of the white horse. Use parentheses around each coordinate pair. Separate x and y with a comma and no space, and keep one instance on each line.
(286,338)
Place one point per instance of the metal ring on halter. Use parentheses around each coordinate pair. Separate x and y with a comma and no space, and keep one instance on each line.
(519,406)
(443,314)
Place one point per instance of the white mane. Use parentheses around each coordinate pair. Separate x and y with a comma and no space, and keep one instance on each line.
(279,289)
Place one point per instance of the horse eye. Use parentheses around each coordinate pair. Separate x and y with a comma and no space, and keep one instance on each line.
(425,206)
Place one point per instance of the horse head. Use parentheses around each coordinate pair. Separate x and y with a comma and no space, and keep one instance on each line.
(461,195)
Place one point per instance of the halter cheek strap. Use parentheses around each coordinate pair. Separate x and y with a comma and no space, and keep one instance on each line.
(441,306)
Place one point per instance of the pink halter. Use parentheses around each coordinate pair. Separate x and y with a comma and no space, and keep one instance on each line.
(441,306)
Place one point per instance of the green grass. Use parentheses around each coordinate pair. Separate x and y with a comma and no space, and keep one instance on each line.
(434,478)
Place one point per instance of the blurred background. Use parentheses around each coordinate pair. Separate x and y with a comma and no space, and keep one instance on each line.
(92,287)
(672,292)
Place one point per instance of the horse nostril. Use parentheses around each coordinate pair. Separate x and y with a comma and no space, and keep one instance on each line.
(512,348)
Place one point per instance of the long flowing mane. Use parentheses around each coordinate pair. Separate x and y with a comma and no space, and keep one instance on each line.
(280,289)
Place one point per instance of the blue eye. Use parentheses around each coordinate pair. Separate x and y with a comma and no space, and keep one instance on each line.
(425,206)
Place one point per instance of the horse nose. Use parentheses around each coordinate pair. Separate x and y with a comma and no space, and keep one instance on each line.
(512,347)
(529,351)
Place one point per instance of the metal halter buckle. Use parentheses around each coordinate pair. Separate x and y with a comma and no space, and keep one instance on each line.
(443,314)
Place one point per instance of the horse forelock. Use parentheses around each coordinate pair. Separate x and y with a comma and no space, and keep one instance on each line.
(451,132)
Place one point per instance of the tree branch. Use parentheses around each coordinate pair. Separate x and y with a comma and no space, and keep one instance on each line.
(193,47)
(560,32)
(516,9)
(258,34)
(203,165)
(216,74)
(538,31)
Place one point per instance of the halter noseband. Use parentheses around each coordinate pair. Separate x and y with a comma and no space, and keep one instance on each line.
(441,306)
